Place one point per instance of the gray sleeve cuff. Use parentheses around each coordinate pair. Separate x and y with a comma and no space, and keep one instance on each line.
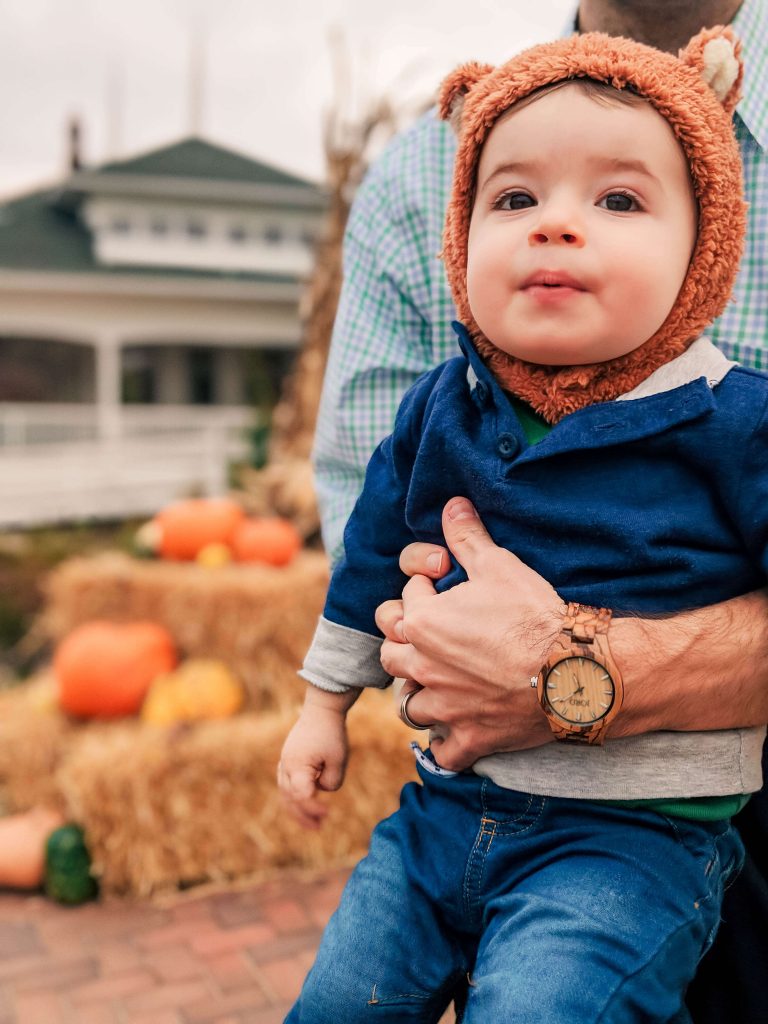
(342,659)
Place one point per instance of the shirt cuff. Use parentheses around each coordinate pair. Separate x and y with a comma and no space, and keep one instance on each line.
(342,659)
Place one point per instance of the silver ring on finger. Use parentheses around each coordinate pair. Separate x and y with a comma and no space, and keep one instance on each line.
(405,717)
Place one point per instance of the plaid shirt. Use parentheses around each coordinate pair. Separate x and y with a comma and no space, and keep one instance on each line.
(395,310)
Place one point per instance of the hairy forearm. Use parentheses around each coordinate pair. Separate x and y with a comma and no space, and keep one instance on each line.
(700,670)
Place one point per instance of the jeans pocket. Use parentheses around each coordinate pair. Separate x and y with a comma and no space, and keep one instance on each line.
(409,1002)
(414,1005)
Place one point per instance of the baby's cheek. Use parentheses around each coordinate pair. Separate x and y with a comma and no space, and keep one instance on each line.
(483,294)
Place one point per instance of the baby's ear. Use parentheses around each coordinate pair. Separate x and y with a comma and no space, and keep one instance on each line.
(716,54)
(454,89)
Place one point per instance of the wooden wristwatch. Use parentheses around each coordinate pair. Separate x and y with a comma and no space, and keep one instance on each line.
(579,686)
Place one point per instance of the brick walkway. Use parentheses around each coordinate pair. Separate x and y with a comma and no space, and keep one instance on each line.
(236,956)
(229,957)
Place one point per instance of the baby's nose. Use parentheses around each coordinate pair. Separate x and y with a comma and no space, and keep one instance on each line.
(557,225)
(542,237)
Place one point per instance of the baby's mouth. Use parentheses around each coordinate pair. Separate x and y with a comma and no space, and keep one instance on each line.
(552,280)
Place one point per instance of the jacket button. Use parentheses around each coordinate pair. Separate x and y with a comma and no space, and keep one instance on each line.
(481,390)
(506,446)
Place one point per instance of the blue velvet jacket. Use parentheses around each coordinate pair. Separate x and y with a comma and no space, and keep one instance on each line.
(644,505)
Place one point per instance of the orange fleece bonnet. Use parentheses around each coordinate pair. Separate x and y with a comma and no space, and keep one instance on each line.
(696,93)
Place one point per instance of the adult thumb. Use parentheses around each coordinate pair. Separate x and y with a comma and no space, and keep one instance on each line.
(465,534)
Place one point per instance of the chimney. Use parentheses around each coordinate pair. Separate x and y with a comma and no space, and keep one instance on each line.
(74,159)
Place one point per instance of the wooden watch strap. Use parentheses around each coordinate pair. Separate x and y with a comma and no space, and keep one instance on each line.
(582,622)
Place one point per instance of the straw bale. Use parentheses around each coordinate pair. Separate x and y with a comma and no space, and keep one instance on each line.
(166,808)
(257,618)
(35,738)
(31,736)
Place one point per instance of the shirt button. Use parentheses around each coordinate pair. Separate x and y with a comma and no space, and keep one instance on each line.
(481,391)
(507,446)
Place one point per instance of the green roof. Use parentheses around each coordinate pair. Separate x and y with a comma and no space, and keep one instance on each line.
(195,158)
(37,234)
(43,231)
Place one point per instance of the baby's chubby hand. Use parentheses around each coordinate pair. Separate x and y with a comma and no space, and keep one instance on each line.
(314,755)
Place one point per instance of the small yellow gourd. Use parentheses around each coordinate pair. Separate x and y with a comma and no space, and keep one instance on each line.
(199,689)
(212,556)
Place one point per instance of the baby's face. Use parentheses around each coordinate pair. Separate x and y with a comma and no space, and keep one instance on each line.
(583,226)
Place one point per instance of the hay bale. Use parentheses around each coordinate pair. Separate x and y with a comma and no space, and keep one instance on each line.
(35,738)
(256,618)
(32,735)
(164,808)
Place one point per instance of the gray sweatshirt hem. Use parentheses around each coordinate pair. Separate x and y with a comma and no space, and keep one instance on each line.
(658,765)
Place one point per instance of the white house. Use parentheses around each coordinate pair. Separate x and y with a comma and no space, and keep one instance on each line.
(147,308)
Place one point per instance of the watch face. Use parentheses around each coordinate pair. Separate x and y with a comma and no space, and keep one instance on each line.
(579,690)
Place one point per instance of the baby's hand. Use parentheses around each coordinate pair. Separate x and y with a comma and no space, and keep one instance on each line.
(314,756)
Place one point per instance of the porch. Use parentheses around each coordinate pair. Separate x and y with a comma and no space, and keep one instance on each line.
(70,461)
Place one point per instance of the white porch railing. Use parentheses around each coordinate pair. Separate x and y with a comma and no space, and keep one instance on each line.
(65,462)
(32,423)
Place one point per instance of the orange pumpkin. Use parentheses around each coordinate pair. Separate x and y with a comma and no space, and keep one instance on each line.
(186,527)
(272,540)
(22,846)
(104,669)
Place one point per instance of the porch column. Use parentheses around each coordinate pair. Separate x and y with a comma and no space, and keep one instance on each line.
(108,387)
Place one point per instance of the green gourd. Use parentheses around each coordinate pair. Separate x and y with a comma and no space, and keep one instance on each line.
(68,877)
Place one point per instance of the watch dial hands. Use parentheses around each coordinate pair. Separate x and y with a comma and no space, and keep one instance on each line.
(568,696)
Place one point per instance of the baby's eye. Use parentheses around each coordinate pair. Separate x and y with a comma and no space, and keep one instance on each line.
(514,201)
(619,202)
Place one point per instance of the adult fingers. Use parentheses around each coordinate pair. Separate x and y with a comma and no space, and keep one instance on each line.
(418,705)
(416,588)
(465,534)
(397,658)
(424,560)
(389,619)
(451,754)
(389,614)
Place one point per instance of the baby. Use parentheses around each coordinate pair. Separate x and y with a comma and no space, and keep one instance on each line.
(594,230)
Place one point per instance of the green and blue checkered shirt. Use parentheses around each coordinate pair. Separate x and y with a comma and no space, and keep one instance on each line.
(395,310)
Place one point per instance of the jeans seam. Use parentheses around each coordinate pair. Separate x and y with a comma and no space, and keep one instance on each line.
(713,873)
(472,860)
(657,952)
(531,824)
(375,1001)
(522,814)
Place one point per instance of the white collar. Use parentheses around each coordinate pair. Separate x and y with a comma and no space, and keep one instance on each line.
(701,359)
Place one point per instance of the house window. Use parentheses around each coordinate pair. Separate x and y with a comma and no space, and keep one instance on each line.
(273,234)
(196,229)
(121,225)
(139,376)
(201,376)
(238,234)
(309,238)
(159,226)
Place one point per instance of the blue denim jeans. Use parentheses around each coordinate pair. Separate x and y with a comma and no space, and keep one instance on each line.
(554,910)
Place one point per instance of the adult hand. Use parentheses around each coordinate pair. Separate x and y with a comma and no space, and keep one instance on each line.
(474,647)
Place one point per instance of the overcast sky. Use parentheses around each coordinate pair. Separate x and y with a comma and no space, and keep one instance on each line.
(124,70)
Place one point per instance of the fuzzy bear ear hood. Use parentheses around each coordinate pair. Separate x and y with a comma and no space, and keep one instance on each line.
(696,92)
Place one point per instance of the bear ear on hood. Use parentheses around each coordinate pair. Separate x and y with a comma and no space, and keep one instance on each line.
(716,54)
(454,90)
